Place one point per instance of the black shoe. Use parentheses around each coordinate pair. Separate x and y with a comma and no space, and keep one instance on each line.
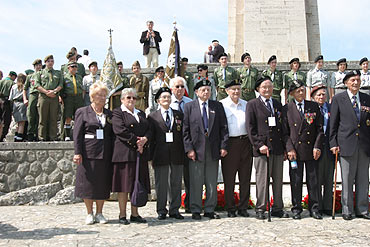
(364,216)
(123,220)
(212,215)
(243,213)
(316,215)
(347,216)
(297,216)
(187,211)
(327,212)
(280,214)
(137,219)
(161,216)
(196,216)
(260,215)
(231,214)
(177,216)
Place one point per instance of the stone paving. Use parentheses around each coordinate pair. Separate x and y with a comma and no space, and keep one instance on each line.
(64,226)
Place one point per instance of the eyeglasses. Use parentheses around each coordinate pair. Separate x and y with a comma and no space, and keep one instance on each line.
(161,71)
(180,86)
(73,66)
(199,70)
(131,97)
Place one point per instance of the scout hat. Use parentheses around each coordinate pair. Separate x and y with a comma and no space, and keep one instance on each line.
(93,62)
(364,59)
(70,54)
(272,58)
(317,88)
(235,82)
(245,55)
(342,60)
(162,90)
(260,80)
(37,61)
(202,83)
(159,69)
(351,74)
(29,71)
(136,63)
(318,58)
(48,57)
(296,84)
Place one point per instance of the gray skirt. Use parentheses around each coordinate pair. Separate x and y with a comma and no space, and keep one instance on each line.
(19,111)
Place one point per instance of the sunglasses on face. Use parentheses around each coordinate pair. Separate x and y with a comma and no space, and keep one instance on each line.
(73,66)
(180,86)
(200,70)
(161,71)
(131,97)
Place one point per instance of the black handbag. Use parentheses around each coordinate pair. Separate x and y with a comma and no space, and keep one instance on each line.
(139,196)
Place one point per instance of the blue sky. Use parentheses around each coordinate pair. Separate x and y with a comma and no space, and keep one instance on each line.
(33,29)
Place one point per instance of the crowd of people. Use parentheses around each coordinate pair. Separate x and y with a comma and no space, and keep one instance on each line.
(185,126)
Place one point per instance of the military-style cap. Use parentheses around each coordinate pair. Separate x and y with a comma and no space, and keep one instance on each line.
(342,60)
(48,57)
(202,66)
(29,71)
(260,80)
(223,55)
(202,83)
(364,59)
(93,62)
(71,63)
(235,82)
(12,73)
(136,63)
(296,84)
(37,61)
(317,88)
(184,59)
(318,58)
(159,69)
(162,90)
(351,74)
(272,58)
(245,55)
(296,59)
(120,63)
(70,54)
(215,40)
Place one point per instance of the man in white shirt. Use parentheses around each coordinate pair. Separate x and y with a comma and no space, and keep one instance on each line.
(85,59)
(90,79)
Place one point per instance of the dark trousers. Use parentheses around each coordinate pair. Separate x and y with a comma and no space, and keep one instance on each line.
(296,182)
(187,183)
(7,118)
(326,174)
(238,160)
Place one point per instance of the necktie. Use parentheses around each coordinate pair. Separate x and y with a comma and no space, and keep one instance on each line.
(323,112)
(180,102)
(50,76)
(269,107)
(300,109)
(94,79)
(224,74)
(168,121)
(355,107)
(205,117)
(74,84)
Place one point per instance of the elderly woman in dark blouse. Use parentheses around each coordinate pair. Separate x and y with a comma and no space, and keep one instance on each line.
(93,143)
(132,134)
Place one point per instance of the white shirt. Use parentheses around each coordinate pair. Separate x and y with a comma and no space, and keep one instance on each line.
(175,105)
(337,79)
(164,115)
(201,107)
(365,79)
(154,86)
(350,95)
(85,60)
(135,114)
(235,114)
(101,119)
(88,81)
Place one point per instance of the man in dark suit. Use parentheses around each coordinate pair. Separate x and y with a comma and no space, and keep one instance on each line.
(166,152)
(302,123)
(205,140)
(217,51)
(326,160)
(151,39)
(349,135)
(263,119)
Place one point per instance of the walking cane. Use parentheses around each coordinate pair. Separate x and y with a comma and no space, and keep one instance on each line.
(335,184)
(268,189)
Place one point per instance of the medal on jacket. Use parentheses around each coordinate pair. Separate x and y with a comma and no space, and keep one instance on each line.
(310,117)
(368,122)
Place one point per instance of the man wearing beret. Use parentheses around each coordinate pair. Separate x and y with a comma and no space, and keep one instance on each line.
(167,148)
(365,76)
(150,40)
(205,141)
(30,99)
(275,76)
(72,57)
(349,136)
(223,75)
(326,160)
(5,87)
(217,51)
(263,119)
(303,128)
(48,82)
(239,158)
(317,76)
(72,97)
(336,84)
(248,77)
(293,75)
(90,79)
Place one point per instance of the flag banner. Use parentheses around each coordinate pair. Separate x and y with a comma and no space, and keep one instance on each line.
(173,60)
(109,74)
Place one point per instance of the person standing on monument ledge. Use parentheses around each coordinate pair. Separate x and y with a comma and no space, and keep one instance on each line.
(217,51)
(293,75)
(336,84)
(317,76)
(276,78)
(151,39)
(222,76)
(248,77)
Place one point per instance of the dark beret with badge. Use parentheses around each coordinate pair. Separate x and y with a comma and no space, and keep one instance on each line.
(318,58)
(260,80)
(202,83)
(202,66)
(215,40)
(48,57)
(29,71)
(317,88)
(120,63)
(36,62)
(12,73)
(160,68)
(351,74)
(272,58)
(184,59)
(245,55)
(223,55)
(296,84)
(162,90)
(296,59)
(364,59)
(342,60)
(235,82)
(93,63)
